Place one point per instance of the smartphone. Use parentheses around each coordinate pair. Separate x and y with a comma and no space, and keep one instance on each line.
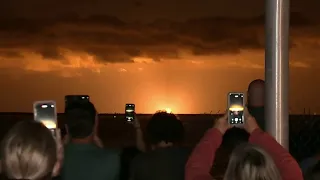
(69,99)
(236,106)
(130,112)
(46,113)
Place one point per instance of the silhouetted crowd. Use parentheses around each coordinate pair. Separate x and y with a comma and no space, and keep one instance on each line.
(29,151)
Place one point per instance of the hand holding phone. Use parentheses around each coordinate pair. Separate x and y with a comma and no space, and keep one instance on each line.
(236,105)
(251,123)
(222,123)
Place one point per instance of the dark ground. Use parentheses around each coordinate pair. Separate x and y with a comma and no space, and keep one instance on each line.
(116,133)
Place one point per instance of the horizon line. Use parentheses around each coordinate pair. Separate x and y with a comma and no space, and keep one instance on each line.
(301,114)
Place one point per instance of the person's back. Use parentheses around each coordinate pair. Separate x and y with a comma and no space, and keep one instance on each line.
(163,163)
(127,156)
(310,162)
(313,173)
(83,159)
(166,160)
(88,161)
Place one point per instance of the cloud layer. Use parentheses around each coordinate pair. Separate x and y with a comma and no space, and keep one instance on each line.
(106,39)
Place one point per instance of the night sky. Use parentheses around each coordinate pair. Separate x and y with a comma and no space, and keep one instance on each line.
(184,55)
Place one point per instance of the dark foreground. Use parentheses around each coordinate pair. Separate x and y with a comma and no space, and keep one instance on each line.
(116,133)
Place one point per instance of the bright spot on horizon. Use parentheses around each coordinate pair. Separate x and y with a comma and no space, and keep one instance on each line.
(168,110)
(236,108)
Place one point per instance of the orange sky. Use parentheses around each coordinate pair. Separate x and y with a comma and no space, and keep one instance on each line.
(186,86)
(188,66)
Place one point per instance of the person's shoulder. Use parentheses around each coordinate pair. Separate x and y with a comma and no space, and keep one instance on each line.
(171,152)
(142,158)
(111,153)
(186,150)
(183,152)
(308,160)
(308,163)
(179,149)
(110,157)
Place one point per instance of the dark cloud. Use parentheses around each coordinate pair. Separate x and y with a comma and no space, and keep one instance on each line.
(112,40)
(10,53)
(138,3)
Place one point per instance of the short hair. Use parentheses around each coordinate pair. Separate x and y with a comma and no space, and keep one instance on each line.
(28,151)
(166,127)
(251,162)
(313,173)
(80,119)
(254,82)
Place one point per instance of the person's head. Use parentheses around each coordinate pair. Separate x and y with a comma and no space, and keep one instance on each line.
(256,93)
(234,137)
(250,162)
(164,129)
(81,120)
(29,151)
(313,173)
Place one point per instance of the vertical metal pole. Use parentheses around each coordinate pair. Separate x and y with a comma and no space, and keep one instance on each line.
(277,69)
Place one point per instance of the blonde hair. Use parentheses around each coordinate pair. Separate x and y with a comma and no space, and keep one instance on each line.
(251,162)
(28,152)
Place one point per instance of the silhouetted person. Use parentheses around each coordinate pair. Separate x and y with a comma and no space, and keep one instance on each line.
(255,96)
(166,160)
(84,156)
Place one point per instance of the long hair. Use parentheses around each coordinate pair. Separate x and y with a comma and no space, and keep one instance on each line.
(28,151)
(250,162)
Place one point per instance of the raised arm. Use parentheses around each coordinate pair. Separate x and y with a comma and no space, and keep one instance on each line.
(202,157)
(288,166)
(200,162)
(140,144)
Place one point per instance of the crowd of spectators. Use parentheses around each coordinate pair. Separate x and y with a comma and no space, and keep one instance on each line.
(29,151)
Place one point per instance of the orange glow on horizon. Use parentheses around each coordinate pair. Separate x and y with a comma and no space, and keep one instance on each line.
(167,108)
